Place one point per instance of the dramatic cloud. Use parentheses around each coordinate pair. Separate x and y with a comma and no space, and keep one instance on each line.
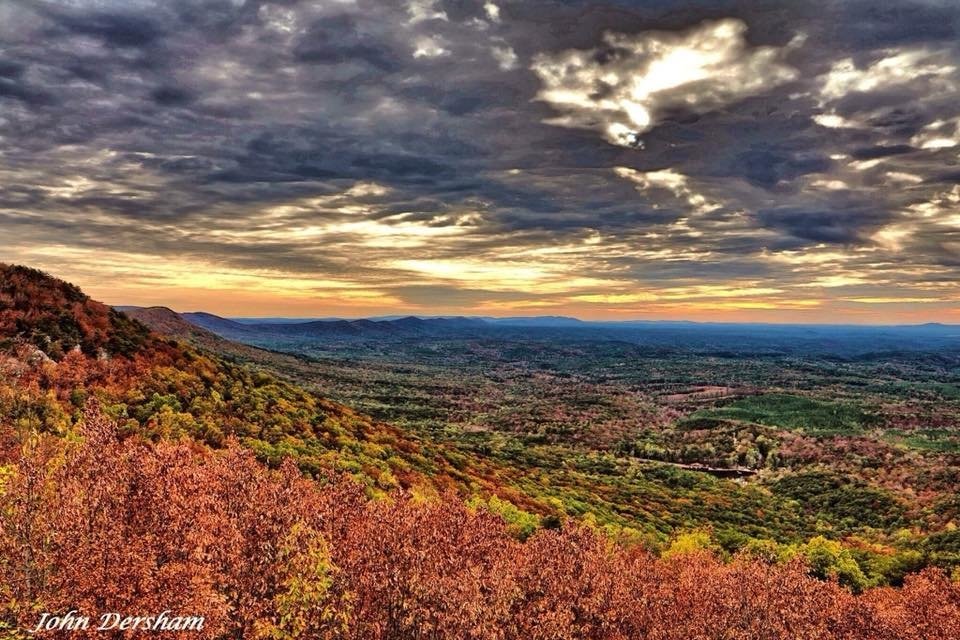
(734,160)
(626,86)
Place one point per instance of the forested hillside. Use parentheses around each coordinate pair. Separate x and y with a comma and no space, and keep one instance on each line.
(812,441)
(102,522)
(56,317)
(62,349)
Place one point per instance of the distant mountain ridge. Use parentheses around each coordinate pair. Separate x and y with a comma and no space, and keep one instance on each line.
(708,338)
(564,321)
(168,322)
(363,328)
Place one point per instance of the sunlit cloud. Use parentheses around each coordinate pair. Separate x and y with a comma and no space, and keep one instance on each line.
(903,177)
(940,134)
(617,298)
(743,305)
(943,209)
(429,47)
(833,185)
(833,121)
(505,56)
(167,281)
(420,10)
(932,72)
(816,256)
(900,300)
(845,76)
(623,90)
(501,275)
(671,181)
(842,280)
(894,236)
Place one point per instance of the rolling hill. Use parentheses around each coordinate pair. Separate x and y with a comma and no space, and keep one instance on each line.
(167,322)
(61,350)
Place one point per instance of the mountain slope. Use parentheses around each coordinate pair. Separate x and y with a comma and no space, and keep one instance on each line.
(169,323)
(215,323)
(55,316)
(159,387)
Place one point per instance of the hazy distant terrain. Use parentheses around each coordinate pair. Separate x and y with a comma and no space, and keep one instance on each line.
(841,341)
(853,430)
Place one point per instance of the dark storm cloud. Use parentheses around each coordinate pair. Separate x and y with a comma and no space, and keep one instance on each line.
(13,88)
(881,151)
(770,166)
(830,226)
(233,129)
(171,96)
(339,38)
(870,24)
(121,29)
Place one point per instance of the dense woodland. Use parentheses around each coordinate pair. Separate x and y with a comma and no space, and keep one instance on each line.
(846,434)
(138,473)
(97,522)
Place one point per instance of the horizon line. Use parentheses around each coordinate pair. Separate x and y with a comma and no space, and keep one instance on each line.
(398,316)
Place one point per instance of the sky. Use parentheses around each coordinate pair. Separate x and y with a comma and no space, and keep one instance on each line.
(705,160)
